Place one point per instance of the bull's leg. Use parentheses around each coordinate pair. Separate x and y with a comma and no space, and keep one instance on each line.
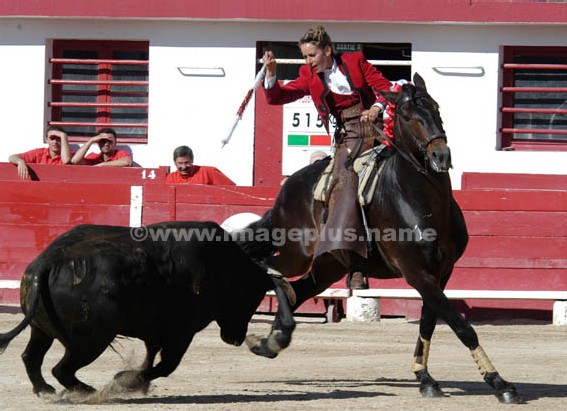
(151,353)
(33,357)
(504,391)
(133,380)
(428,387)
(74,359)
(171,355)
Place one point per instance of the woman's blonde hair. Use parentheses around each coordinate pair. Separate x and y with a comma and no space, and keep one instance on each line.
(317,36)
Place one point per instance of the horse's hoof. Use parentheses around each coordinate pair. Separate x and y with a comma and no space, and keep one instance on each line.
(259,346)
(431,391)
(510,397)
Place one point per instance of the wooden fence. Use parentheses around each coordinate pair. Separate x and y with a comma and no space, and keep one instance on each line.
(517,226)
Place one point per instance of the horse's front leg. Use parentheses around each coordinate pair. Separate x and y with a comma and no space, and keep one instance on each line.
(504,391)
(428,386)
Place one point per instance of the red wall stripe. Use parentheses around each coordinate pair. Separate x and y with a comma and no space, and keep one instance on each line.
(308,11)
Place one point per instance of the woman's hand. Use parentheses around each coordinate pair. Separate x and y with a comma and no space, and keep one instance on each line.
(270,63)
(371,114)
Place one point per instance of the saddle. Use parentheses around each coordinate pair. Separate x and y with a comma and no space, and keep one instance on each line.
(368,168)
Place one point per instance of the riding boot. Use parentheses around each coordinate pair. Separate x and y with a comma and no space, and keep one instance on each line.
(356,280)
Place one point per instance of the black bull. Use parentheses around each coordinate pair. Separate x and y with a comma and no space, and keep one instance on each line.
(95,282)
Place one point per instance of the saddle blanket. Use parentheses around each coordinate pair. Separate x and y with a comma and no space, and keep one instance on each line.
(368,168)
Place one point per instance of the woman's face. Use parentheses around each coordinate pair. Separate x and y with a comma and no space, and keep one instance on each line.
(319,59)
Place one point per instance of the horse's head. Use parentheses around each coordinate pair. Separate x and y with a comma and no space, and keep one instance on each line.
(418,127)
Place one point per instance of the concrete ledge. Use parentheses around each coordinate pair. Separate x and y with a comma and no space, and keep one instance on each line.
(464,294)
(330,293)
(559,307)
(10,284)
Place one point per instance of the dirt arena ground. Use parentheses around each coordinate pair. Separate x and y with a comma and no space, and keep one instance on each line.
(340,366)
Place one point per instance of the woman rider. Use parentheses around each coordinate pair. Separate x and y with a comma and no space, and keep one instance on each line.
(346,86)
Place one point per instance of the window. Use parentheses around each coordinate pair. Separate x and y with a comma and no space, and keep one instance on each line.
(98,84)
(534,98)
(392,59)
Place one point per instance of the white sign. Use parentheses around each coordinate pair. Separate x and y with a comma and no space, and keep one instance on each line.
(303,133)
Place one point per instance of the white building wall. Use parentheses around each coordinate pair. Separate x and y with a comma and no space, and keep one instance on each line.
(460,64)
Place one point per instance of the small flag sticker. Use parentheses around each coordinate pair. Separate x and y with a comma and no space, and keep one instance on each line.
(308,140)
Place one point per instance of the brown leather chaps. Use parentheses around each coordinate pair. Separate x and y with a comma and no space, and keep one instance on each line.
(344,228)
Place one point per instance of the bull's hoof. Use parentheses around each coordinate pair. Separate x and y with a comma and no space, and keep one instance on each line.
(43,389)
(259,346)
(82,388)
(510,397)
(132,381)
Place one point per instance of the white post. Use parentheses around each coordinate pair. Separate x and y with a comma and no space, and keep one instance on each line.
(362,309)
(560,313)
(136,198)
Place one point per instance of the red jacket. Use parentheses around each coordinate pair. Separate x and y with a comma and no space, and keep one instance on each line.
(363,77)
(200,175)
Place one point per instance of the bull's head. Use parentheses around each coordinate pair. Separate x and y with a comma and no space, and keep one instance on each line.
(243,300)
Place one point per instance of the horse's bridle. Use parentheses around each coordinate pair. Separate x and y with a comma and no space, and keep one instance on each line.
(421,95)
(423,148)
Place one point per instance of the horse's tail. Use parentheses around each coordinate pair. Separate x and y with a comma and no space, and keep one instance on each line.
(256,239)
(32,293)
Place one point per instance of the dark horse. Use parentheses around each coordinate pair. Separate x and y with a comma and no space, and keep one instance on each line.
(413,194)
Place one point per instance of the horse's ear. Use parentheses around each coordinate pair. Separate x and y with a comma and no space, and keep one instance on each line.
(389,95)
(419,81)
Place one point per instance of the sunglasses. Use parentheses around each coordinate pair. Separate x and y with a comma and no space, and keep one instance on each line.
(104,141)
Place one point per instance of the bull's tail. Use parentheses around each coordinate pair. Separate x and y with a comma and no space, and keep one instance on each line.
(33,293)
(257,238)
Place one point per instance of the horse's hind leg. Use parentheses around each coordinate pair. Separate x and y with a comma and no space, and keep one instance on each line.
(325,271)
(33,356)
(504,391)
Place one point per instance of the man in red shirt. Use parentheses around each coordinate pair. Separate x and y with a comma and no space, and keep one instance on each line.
(189,173)
(109,156)
(57,152)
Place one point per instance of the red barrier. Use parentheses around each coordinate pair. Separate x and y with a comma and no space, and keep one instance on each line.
(518,237)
